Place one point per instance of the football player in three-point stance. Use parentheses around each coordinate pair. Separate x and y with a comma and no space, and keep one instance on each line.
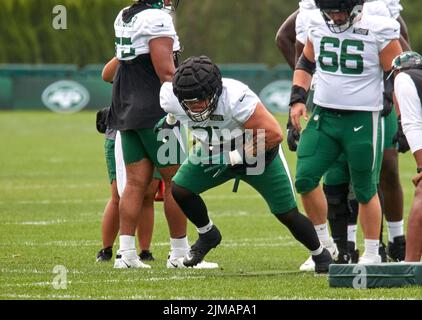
(222,114)
(349,51)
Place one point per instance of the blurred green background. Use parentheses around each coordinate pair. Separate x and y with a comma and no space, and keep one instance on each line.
(227,31)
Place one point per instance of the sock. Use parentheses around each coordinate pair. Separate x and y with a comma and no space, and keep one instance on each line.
(179,247)
(318,251)
(351,233)
(395,229)
(127,243)
(371,247)
(322,232)
(205,228)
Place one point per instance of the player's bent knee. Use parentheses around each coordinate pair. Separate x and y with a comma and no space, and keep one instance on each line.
(180,194)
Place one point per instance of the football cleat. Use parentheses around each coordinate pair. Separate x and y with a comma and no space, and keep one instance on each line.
(382,252)
(146,255)
(128,259)
(322,261)
(177,263)
(105,255)
(396,250)
(202,246)
(354,253)
(343,258)
(330,245)
(370,259)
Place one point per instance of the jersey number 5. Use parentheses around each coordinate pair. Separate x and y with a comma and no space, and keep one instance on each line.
(345,56)
(123,44)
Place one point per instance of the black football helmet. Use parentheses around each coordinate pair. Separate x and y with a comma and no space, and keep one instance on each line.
(198,79)
(160,4)
(352,7)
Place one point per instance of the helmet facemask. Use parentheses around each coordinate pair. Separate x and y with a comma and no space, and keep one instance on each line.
(203,115)
(352,7)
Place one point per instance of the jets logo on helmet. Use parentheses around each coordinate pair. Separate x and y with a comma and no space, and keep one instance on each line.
(198,79)
(407,60)
(328,7)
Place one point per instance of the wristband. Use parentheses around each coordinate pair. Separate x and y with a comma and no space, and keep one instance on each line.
(419,170)
(298,95)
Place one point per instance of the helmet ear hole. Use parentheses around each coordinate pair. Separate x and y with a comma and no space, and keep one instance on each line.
(198,78)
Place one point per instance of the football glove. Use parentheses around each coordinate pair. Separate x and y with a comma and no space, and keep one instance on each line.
(220,163)
(387,103)
(400,138)
(168,122)
(293,135)
(101,120)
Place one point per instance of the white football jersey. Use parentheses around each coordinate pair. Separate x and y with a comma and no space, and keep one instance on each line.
(307,5)
(132,39)
(235,106)
(308,12)
(394,7)
(348,65)
(304,19)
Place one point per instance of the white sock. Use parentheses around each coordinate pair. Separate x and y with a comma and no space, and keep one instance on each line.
(318,251)
(352,233)
(322,232)
(395,229)
(179,247)
(127,243)
(371,247)
(206,228)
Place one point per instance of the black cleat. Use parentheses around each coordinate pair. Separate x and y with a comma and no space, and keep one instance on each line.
(322,261)
(105,254)
(343,258)
(354,253)
(382,252)
(202,246)
(146,255)
(396,250)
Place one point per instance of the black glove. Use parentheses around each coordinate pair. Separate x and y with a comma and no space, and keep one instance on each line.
(164,125)
(387,103)
(400,139)
(101,120)
(293,136)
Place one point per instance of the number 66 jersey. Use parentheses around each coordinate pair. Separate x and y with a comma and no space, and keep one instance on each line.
(348,65)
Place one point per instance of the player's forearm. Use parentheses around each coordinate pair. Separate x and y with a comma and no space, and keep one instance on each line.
(418,158)
(302,79)
(110,70)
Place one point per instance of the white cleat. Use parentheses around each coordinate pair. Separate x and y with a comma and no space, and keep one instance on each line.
(129,259)
(177,263)
(309,264)
(369,259)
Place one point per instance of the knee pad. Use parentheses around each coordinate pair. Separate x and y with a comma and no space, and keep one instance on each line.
(337,200)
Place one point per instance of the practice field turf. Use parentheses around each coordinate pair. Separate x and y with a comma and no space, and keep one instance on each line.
(53,190)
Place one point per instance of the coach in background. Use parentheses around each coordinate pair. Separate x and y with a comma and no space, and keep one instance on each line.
(407,69)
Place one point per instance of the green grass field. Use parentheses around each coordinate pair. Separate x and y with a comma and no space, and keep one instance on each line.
(53,190)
